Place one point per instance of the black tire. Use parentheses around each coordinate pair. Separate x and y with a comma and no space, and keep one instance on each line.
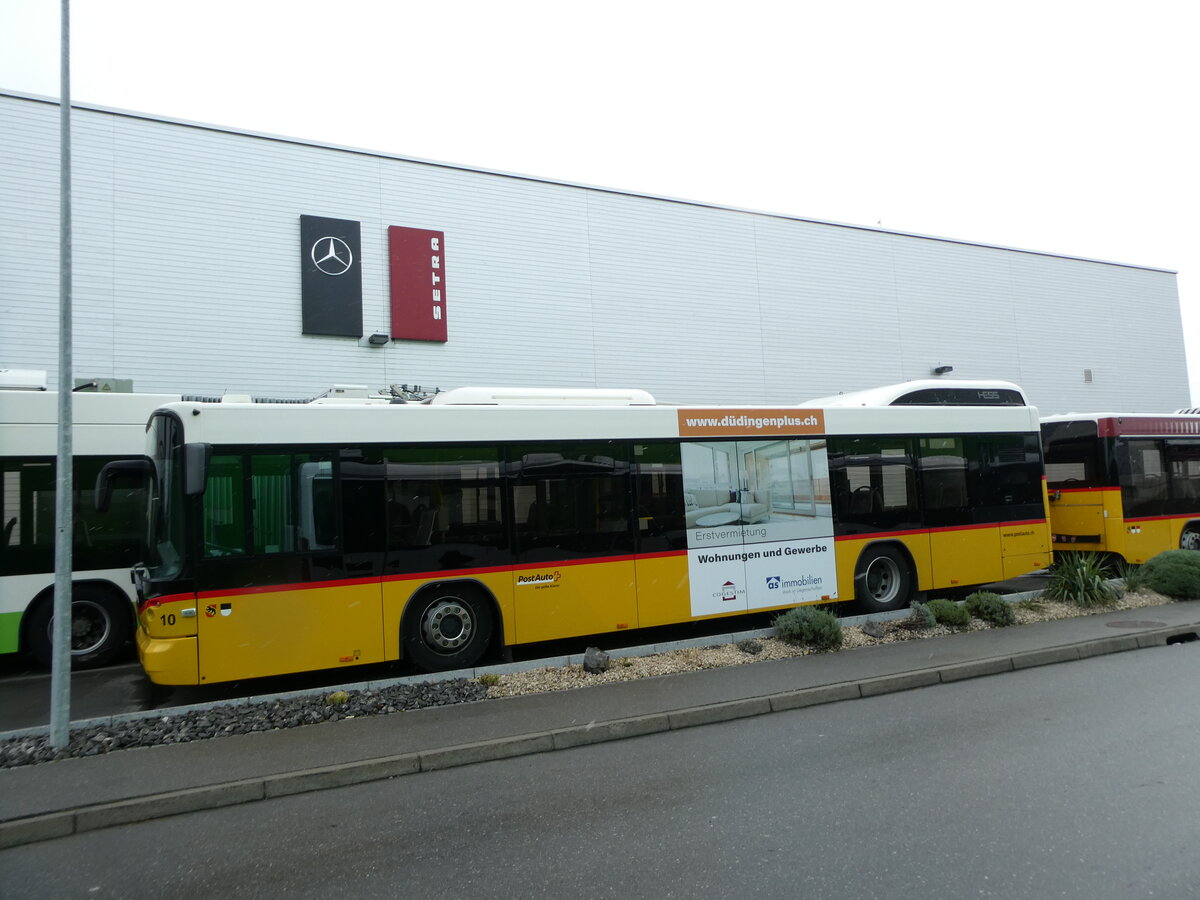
(101,627)
(447,627)
(883,580)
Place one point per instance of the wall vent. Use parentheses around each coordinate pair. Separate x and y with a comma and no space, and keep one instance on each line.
(1087,376)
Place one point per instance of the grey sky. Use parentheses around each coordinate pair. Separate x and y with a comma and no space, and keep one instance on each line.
(1067,127)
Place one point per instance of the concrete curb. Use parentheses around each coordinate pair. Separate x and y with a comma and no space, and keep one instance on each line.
(16,832)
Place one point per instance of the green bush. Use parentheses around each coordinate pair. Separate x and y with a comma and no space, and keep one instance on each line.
(1175,573)
(919,619)
(949,613)
(990,608)
(1080,579)
(817,628)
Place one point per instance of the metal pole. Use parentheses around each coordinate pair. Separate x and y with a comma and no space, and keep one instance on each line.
(60,671)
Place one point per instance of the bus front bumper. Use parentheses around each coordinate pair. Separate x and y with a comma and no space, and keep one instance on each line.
(168,660)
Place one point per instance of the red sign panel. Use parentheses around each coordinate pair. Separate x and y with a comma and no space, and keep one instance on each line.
(418,266)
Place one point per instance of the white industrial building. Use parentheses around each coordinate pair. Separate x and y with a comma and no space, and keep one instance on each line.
(188,278)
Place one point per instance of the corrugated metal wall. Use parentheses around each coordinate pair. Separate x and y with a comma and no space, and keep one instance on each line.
(187,280)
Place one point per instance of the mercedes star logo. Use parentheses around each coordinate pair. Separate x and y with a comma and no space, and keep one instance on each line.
(332,256)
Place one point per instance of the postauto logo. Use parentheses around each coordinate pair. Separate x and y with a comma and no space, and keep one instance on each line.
(539,579)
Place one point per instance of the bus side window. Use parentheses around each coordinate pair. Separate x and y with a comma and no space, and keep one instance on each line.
(943,464)
(225,507)
(578,499)
(1143,479)
(444,497)
(1183,464)
(873,482)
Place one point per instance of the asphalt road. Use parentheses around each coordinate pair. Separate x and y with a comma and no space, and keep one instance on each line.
(1076,780)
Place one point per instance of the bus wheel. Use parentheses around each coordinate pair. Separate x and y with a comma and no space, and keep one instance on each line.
(1190,539)
(99,627)
(883,580)
(446,628)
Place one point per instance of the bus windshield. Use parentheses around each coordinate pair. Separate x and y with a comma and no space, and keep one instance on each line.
(1074,455)
(165,515)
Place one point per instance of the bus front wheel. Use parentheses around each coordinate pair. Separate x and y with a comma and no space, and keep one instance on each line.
(100,627)
(1190,539)
(883,580)
(447,628)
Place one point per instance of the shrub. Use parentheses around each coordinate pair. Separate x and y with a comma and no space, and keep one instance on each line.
(817,628)
(920,618)
(1080,579)
(949,613)
(1174,573)
(990,608)
(487,679)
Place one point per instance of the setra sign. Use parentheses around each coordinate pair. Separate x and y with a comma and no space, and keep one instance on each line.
(417,260)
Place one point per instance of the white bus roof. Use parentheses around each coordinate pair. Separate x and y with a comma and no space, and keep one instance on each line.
(371,423)
(507,396)
(891,393)
(105,424)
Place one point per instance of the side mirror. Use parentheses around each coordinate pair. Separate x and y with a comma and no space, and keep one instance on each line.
(121,468)
(195,467)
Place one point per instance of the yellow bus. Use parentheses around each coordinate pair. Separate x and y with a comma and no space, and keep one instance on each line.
(296,538)
(1125,485)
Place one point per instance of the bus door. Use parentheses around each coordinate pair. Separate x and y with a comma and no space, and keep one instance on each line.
(663,587)
(290,568)
(963,550)
(1145,492)
(1011,494)
(573,518)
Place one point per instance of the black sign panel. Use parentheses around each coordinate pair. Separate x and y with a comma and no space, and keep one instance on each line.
(331,276)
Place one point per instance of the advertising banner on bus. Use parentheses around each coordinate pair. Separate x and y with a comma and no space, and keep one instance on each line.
(760,529)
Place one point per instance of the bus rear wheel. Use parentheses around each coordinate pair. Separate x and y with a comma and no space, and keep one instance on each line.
(1190,539)
(448,627)
(883,580)
(100,627)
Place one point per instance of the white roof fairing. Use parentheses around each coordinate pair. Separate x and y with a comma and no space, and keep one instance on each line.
(888,394)
(352,424)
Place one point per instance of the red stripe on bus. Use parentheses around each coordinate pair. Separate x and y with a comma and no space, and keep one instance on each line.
(1161,518)
(943,530)
(447,573)
(1086,490)
(166,598)
(290,586)
(411,576)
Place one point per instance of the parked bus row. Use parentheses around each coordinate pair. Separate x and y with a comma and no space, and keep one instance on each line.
(273,539)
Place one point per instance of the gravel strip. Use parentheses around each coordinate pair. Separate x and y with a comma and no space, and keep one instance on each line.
(308,710)
(196,725)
